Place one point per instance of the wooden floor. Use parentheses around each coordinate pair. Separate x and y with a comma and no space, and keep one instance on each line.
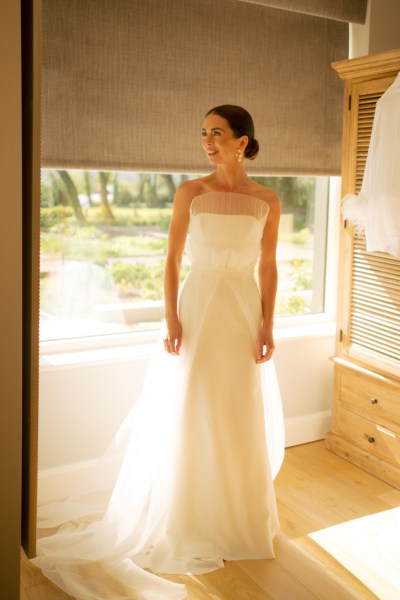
(315,489)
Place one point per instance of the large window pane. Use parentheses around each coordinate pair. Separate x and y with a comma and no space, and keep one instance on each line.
(302,243)
(103,242)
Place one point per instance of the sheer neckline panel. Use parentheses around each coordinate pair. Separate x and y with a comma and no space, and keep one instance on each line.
(229,203)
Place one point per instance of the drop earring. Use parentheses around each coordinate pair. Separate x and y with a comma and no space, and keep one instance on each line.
(239,154)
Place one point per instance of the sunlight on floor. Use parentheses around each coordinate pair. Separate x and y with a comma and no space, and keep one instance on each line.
(369,547)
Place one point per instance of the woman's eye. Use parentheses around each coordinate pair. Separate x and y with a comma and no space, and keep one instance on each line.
(216,133)
(203,133)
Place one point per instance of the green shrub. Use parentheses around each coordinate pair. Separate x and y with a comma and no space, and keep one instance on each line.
(140,280)
(52,215)
(301,276)
(136,245)
(302,237)
(291,305)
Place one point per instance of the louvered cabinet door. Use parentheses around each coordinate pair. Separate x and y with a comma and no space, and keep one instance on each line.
(366,407)
(369,302)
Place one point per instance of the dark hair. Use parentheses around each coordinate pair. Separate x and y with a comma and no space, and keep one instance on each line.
(241,123)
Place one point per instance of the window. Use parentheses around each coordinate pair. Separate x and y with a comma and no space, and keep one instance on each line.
(103,242)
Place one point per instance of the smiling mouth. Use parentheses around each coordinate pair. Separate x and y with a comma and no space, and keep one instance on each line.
(211,153)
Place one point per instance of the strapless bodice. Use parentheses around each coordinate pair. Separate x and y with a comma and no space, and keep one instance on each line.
(226,229)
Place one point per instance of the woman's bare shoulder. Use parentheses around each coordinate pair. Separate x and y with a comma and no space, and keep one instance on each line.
(267,195)
(191,188)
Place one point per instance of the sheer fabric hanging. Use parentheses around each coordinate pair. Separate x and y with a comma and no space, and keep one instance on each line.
(376,209)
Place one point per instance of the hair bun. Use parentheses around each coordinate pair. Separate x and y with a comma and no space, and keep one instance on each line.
(252,149)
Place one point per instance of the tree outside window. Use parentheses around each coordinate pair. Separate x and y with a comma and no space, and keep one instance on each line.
(103,243)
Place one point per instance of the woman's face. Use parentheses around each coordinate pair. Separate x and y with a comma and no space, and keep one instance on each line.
(219,142)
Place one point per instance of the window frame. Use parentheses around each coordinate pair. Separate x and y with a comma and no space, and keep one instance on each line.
(136,342)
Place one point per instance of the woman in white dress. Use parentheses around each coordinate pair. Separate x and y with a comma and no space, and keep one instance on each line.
(192,465)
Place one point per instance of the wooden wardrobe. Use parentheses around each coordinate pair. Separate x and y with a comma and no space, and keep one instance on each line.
(366,408)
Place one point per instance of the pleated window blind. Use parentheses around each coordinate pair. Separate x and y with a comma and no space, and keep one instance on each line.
(375,294)
(126,83)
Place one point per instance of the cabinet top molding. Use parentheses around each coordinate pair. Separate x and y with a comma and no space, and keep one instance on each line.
(367,66)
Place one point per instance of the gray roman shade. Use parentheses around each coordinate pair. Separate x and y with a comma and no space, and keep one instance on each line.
(126,83)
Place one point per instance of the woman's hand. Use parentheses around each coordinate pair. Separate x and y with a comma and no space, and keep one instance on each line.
(265,345)
(173,337)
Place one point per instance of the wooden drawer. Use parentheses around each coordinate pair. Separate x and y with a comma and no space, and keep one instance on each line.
(367,435)
(372,396)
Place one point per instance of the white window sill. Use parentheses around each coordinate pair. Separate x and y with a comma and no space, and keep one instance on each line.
(305,327)
(138,345)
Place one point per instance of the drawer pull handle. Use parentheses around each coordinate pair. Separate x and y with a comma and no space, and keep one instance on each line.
(371,440)
(374,400)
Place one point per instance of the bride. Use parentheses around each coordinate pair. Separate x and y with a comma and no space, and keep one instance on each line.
(190,471)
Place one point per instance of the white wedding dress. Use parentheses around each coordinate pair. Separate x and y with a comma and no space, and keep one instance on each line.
(190,472)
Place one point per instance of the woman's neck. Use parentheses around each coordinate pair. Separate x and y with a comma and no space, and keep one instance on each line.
(230,177)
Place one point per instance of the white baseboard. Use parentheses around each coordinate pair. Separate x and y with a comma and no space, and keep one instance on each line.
(307,428)
(59,482)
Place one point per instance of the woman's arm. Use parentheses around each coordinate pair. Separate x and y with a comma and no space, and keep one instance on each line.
(268,280)
(176,243)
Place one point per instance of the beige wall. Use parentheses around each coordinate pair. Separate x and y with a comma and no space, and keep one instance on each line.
(10,298)
(381,31)
(384,30)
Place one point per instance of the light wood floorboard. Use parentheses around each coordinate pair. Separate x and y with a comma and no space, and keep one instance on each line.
(315,489)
